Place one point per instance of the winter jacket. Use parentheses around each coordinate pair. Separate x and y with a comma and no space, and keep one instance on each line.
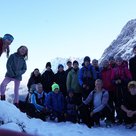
(122,73)
(129,101)
(47,80)
(72,81)
(106,78)
(132,67)
(16,66)
(87,75)
(98,72)
(1,47)
(33,80)
(68,70)
(39,100)
(55,102)
(60,79)
(103,100)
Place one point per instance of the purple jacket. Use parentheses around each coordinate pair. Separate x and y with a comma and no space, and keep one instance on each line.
(103,100)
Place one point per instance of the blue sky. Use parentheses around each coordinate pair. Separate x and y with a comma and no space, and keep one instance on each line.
(63,28)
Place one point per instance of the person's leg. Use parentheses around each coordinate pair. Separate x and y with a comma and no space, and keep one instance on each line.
(16,90)
(3,87)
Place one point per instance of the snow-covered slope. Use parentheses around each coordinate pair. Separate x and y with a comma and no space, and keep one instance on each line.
(15,120)
(124,43)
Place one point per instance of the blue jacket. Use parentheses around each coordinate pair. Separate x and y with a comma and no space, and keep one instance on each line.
(55,102)
(39,100)
(86,75)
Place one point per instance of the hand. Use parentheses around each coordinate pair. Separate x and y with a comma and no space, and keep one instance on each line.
(130,113)
(84,85)
(87,88)
(119,81)
(92,113)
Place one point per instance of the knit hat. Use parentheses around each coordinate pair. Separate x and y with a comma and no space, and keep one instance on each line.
(87,58)
(48,64)
(69,62)
(8,37)
(60,65)
(75,62)
(131,84)
(54,86)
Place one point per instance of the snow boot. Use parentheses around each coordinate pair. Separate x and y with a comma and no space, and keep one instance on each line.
(3,97)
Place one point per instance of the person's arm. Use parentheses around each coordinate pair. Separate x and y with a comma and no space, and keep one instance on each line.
(68,81)
(80,77)
(9,66)
(88,99)
(124,108)
(105,99)
(37,106)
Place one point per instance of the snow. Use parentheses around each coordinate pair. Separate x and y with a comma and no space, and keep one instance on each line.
(15,120)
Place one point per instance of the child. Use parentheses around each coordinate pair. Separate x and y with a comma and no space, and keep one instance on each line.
(38,99)
(129,105)
(5,42)
(16,67)
(71,108)
(55,103)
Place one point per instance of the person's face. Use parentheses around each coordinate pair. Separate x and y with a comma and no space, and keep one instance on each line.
(112,61)
(39,88)
(98,85)
(61,69)
(105,64)
(75,66)
(7,42)
(36,72)
(48,68)
(95,63)
(23,51)
(71,94)
(118,62)
(56,90)
(87,63)
(69,65)
(132,90)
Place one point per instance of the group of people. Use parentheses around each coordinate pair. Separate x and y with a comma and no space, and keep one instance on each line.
(87,94)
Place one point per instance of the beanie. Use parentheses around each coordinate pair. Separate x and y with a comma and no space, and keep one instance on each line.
(48,64)
(60,65)
(87,58)
(8,37)
(54,86)
(75,62)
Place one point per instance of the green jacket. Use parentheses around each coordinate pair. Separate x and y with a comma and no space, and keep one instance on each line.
(16,66)
(72,81)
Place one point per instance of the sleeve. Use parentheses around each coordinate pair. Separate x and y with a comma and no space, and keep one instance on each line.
(68,82)
(89,98)
(9,66)
(80,77)
(105,99)
(48,102)
(37,106)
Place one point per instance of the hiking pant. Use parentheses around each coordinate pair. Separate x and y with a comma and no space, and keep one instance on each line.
(16,87)
(128,120)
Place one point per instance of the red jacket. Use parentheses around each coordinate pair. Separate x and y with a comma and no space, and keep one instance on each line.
(1,46)
(106,78)
(122,73)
